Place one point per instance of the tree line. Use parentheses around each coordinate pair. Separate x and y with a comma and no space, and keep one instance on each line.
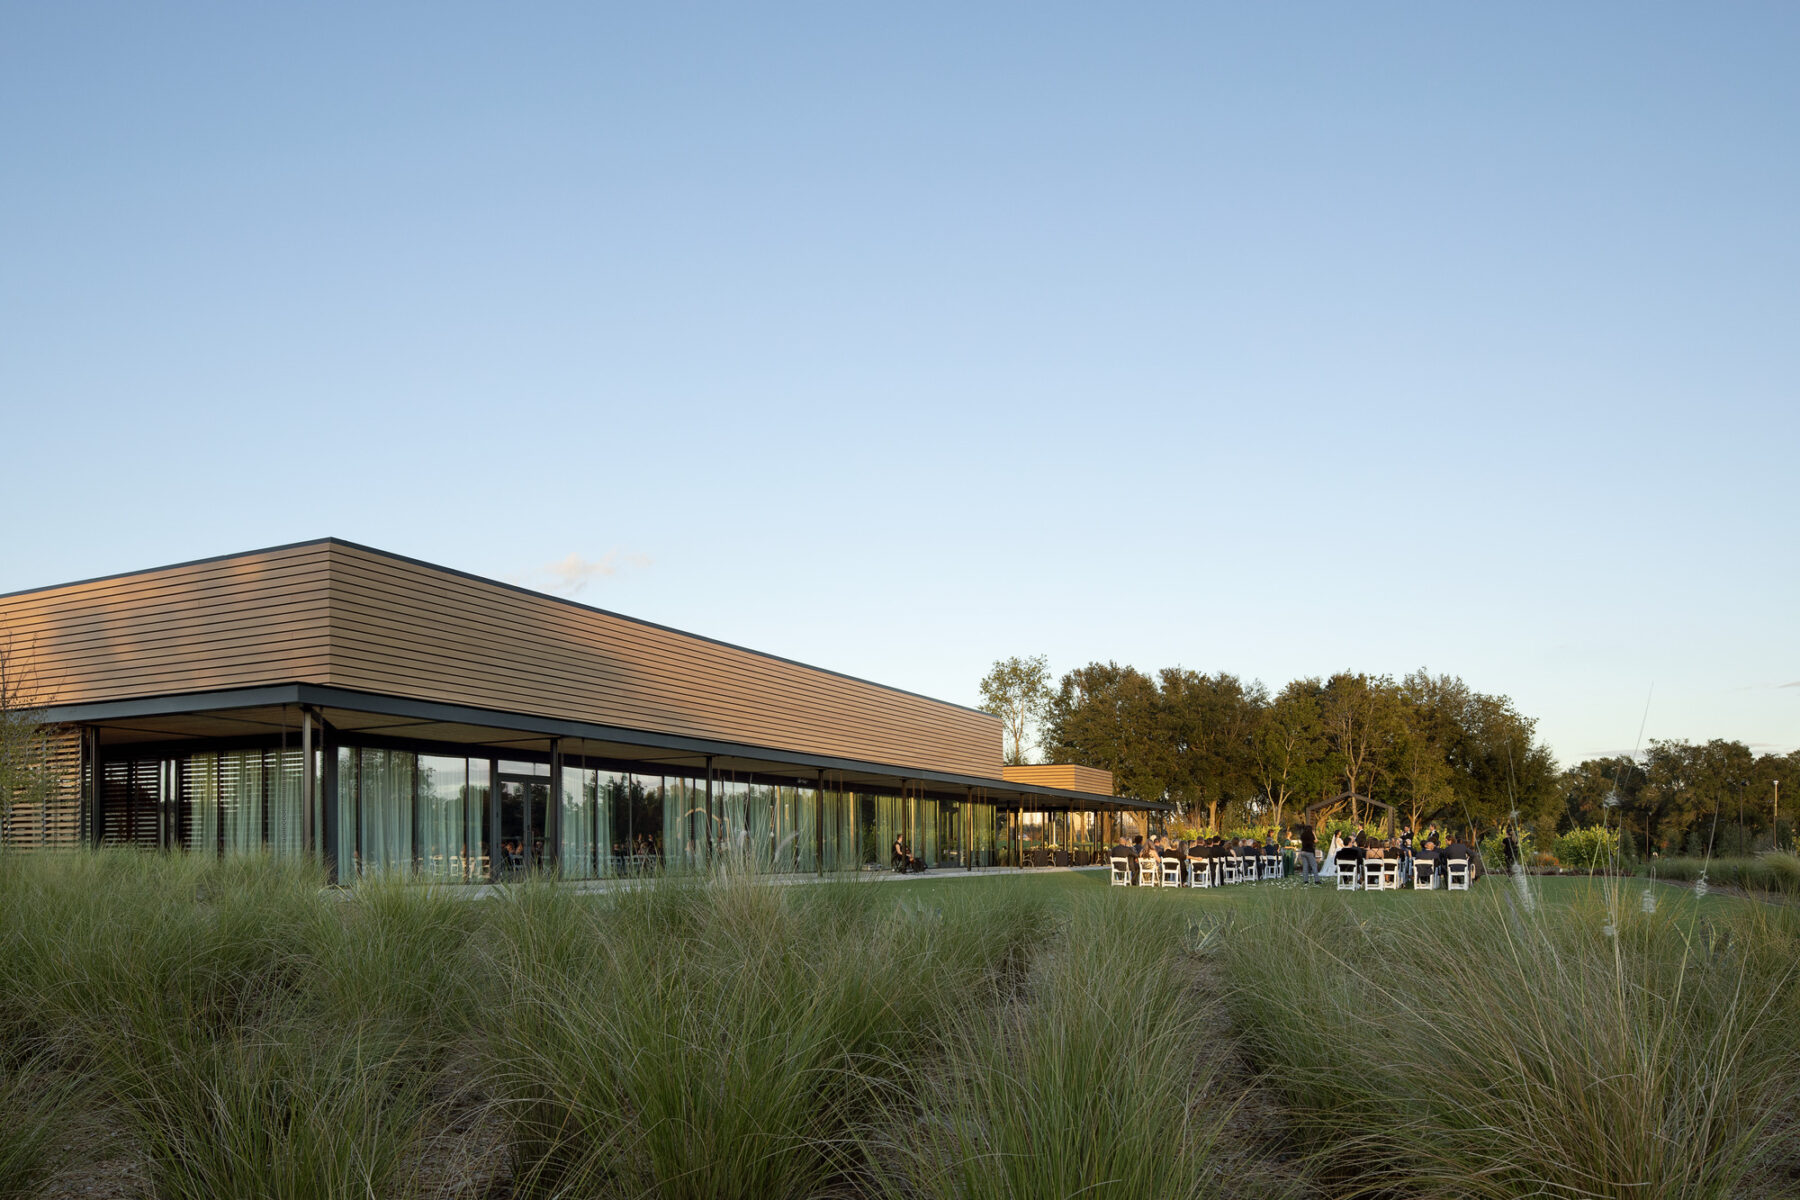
(1228,753)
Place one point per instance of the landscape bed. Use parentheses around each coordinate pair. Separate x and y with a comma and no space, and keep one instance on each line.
(178,1027)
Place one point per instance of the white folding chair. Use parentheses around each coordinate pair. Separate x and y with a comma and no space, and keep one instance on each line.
(1346,874)
(1171,872)
(1456,875)
(1271,866)
(1148,875)
(1199,872)
(1121,872)
(1423,875)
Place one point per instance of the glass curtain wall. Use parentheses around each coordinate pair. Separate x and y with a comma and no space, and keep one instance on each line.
(429,814)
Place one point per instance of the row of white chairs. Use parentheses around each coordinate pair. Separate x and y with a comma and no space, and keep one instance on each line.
(1383,874)
(1197,872)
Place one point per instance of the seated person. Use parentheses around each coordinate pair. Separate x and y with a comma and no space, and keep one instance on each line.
(1459,849)
(1425,865)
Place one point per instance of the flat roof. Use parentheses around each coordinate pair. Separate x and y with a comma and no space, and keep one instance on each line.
(500,583)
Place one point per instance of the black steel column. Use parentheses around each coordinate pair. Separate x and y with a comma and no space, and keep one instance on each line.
(329,832)
(706,843)
(496,853)
(553,807)
(309,796)
(91,820)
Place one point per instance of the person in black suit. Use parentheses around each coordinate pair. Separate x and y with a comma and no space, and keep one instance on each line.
(1459,849)
(1433,858)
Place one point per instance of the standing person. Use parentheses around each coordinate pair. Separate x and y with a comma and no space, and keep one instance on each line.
(1509,849)
(1309,857)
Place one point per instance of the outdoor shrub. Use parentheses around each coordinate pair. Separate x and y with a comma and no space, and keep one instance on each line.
(1588,848)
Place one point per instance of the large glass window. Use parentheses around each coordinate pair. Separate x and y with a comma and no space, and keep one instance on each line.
(241,801)
(843,850)
(584,851)
(385,810)
(685,830)
(796,829)
(286,810)
(452,818)
(638,820)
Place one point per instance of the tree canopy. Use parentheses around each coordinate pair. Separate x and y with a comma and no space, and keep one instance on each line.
(1228,754)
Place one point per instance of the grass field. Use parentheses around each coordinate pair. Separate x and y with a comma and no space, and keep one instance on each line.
(174,1027)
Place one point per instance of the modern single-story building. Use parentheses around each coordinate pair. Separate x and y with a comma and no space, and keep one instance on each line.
(325,698)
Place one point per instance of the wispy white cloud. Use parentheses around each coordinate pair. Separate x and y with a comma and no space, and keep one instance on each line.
(569,575)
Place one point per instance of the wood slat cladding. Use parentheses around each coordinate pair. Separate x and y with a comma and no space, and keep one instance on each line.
(51,817)
(1062,775)
(405,628)
(336,614)
(223,623)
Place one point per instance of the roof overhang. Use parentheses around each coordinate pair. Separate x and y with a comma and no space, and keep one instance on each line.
(269,711)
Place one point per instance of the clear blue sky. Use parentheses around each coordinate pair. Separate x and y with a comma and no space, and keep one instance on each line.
(1275,339)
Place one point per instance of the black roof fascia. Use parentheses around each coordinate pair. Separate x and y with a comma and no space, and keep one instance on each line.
(322,696)
(500,583)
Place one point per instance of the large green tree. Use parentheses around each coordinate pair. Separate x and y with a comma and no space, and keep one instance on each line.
(1288,749)
(1105,715)
(1017,690)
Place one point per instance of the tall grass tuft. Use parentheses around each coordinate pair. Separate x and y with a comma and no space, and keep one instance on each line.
(1097,1079)
(708,1038)
(204,1000)
(303,1112)
(33,1104)
(1479,1051)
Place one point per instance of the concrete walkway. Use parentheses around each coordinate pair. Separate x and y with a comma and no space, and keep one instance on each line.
(602,887)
